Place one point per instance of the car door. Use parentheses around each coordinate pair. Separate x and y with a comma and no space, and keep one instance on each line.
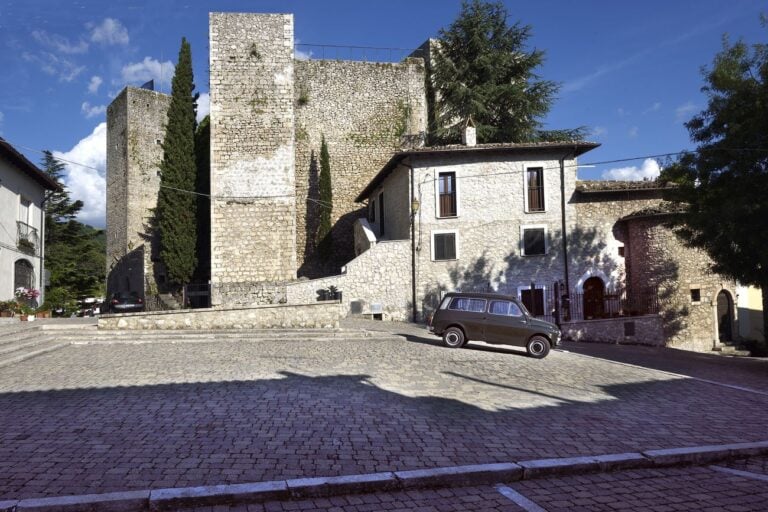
(505,323)
(470,314)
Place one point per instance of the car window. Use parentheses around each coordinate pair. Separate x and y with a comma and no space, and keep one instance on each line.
(444,304)
(466,304)
(504,307)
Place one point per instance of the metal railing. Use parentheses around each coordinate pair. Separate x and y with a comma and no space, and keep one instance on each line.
(27,239)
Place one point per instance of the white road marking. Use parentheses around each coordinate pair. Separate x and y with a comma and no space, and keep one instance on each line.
(519,499)
(738,472)
(722,384)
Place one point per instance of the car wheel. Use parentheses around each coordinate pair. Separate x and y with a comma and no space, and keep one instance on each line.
(453,337)
(537,347)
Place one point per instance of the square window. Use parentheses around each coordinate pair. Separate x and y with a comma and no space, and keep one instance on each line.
(695,295)
(534,242)
(444,245)
(621,251)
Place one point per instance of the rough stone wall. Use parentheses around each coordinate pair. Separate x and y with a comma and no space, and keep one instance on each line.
(380,275)
(366,111)
(594,246)
(656,258)
(648,330)
(491,213)
(136,122)
(253,214)
(325,315)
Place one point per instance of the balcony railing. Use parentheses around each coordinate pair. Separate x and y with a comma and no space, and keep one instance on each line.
(27,239)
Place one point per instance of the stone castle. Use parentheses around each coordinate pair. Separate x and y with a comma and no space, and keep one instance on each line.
(268,112)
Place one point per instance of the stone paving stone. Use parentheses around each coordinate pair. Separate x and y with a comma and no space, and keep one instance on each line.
(102,418)
(689,488)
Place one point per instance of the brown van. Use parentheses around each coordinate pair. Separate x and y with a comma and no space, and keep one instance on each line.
(492,318)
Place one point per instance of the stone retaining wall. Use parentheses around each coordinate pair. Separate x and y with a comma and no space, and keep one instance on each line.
(380,275)
(323,315)
(648,330)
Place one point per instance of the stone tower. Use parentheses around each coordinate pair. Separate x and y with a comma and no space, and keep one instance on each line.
(253,208)
(136,122)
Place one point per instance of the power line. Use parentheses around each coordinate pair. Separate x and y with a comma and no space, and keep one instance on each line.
(481,175)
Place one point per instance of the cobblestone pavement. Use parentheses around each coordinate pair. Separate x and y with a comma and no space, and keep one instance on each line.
(101,418)
(700,489)
(737,371)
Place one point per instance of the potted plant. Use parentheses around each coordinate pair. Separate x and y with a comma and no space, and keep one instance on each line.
(25,312)
(26,246)
(7,308)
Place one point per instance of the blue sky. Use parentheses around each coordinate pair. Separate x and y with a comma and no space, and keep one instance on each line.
(629,70)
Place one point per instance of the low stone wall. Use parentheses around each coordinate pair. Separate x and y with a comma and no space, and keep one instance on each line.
(380,275)
(647,330)
(323,315)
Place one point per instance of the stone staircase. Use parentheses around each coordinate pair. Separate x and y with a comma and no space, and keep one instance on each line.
(731,350)
(102,336)
(22,340)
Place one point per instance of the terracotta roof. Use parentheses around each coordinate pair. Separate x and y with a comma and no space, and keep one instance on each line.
(575,148)
(662,209)
(597,186)
(27,167)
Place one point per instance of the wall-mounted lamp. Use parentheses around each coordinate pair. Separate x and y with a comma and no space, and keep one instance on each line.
(415,205)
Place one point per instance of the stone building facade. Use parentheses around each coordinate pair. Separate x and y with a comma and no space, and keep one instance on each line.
(136,122)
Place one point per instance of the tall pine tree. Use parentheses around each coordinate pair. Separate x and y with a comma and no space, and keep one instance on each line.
(326,201)
(482,69)
(176,218)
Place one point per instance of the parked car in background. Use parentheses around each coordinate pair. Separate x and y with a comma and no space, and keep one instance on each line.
(492,318)
(126,302)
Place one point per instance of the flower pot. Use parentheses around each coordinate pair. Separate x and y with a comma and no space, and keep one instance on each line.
(6,314)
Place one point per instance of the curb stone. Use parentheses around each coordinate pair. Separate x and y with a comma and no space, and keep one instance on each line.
(454,476)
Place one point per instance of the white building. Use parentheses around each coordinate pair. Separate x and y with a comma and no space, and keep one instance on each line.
(23,189)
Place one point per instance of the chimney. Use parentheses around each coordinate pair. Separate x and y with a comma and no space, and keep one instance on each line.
(469,135)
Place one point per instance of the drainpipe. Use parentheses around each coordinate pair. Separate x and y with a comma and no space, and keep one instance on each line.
(414,309)
(564,232)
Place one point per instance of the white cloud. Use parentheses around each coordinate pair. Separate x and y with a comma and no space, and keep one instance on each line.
(88,183)
(649,170)
(684,111)
(203,106)
(598,131)
(633,131)
(300,54)
(59,43)
(94,84)
(653,108)
(110,31)
(148,69)
(54,65)
(92,110)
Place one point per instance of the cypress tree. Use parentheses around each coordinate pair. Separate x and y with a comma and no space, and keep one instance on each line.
(326,201)
(176,205)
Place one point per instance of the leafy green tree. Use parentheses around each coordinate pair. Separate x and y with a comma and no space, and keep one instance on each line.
(721,186)
(203,188)
(481,68)
(326,201)
(75,252)
(176,218)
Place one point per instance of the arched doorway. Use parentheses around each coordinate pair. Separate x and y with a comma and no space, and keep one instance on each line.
(23,275)
(724,316)
(594,294)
